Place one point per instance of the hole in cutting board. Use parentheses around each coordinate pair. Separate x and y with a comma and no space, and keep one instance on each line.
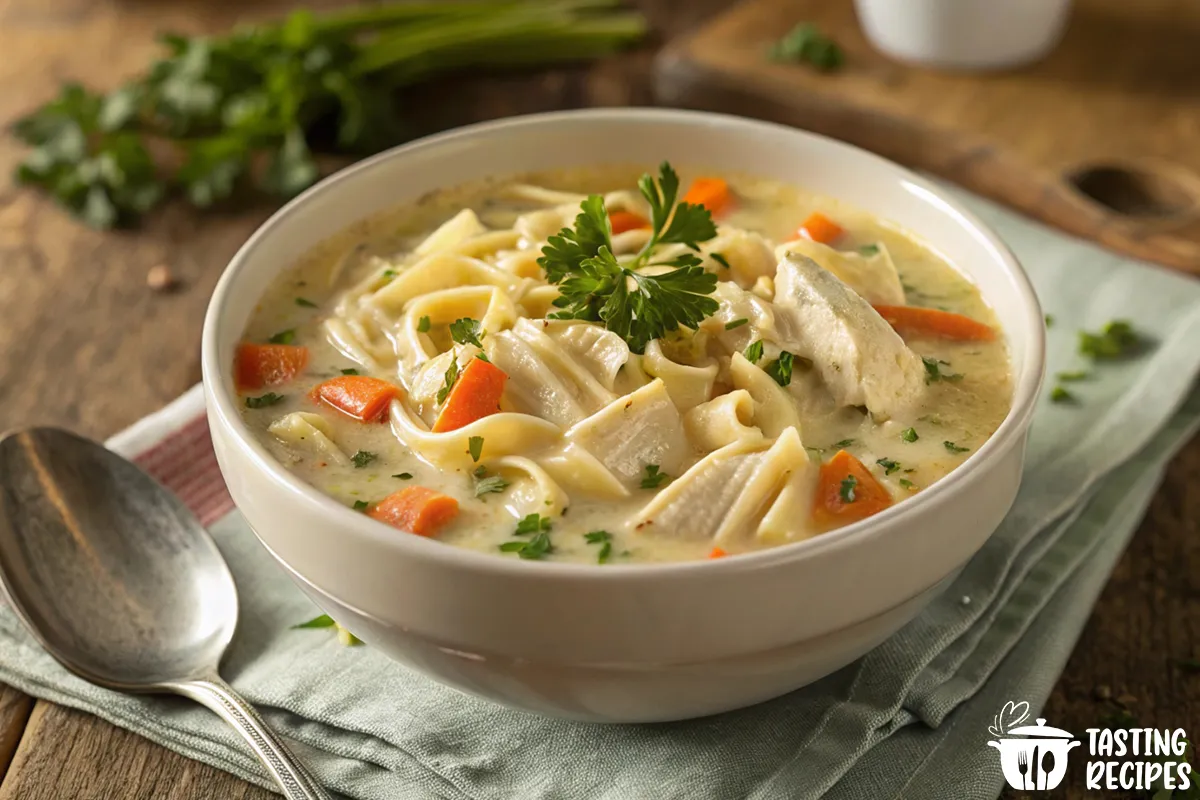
(1134,191)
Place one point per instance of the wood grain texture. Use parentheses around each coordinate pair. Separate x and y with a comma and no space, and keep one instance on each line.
(1120,92)
(84,344)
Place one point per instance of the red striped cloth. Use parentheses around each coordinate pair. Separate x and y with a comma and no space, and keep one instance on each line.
(185,463)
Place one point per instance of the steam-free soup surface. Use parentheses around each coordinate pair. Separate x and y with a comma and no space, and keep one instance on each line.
(785,407)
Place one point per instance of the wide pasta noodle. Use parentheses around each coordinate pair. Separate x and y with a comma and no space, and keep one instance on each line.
(503,434)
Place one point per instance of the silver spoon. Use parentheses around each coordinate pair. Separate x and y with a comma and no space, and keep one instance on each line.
(120,583)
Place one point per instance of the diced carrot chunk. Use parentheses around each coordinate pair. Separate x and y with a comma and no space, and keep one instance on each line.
(416,509)
(256,366)
(712,193)
(717,553)
(847,492)
(820,228)
(622,221)
(918,321)
(362,397)
(475,395)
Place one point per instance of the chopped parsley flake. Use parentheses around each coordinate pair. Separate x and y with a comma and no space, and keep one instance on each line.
(604,539)
(720,259)
(268,399)
(847,490)
(953,448)
(1116,340)
(1049,320)
(475,447)
(488,484)
(390,273)
(909,434)
(805,43)
(653,478)
(323,621)
(737,323)
(888,465)
(933,371)
(532,523)
(754,352)
(404,476)
(362,458)
(284,337)
(781,370)
(533,549)
(869,249)
(350,371)
(451,377)
(300,301)
(361,505)
(844,443)
(1060,395)
(467,331)
(905,483)
(1077,375)
(423,324)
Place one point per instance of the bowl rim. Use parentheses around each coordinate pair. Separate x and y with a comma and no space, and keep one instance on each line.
(222,408)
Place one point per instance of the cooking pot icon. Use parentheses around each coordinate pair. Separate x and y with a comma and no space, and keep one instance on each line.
(1037,762)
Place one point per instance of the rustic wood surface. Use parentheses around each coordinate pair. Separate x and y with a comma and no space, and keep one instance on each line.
(85,344)
(1120,92)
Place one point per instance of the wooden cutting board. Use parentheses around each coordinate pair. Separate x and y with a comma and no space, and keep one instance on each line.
(1101,139)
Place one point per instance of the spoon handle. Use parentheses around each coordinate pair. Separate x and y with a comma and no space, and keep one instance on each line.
(288,772)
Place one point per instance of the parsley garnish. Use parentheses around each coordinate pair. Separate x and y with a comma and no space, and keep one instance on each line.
(1060,395)
(475,447)
(489,484)
(847,490)
(909,434)
(905,483)
(1117,339)
(869,249)
(781,369)
(805,43)
(1077,375)
(389,273)
(933,371)
(888,465)
(737,323)
(284,337)
(483,357)
(754,351)
(268,399)
(653,478)
(349,371)
(361,505)
(844,443)
(451,377)
(466,331)
(720,259)
(533,549)
(423,324)
(1049,320)
(594,285)
(323,621)
(604,539)
(953,448)
(300,301)
(404,476)
(532,523)
(362,458)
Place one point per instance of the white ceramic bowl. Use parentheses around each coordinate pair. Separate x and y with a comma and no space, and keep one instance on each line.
(623,643)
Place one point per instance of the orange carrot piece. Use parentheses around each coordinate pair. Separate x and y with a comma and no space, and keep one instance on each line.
(712,193)
(622,221)
(416,509)
(476,394)
(717,553)
(256,366)
(362,397)
(834,486)
(918,321)
(820,228)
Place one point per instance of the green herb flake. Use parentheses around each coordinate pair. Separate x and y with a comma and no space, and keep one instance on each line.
(1071,377)
(905,483)
(844,443)
(423,324)
(302,302)
(1049,320)
(737,323)
(781,369)
(1060,395)
(361,505)
(604,539)
(953,448)
(869,250)
(404,476)
(284,337)
(323,621)
(389,273)
(720,259)
(262,401)
(362,458)
(909,434)
(847,490)
(448,384)
(475,447)
(754,352)
(467,331)
(933,371)
(532,523)
(349,371)
(806,44)
(537,547)
(492,484)
(1116,340)
(888,465)
(653,478)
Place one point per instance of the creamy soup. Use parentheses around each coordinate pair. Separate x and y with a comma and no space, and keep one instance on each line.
(657,382)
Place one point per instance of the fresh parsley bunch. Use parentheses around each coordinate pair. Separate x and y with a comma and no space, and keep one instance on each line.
(594,285)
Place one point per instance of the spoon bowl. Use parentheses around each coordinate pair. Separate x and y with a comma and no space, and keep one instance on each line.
(121,583)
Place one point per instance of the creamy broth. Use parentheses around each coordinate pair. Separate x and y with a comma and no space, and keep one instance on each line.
(581,418)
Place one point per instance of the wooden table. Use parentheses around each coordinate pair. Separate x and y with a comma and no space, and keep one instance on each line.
(84,343)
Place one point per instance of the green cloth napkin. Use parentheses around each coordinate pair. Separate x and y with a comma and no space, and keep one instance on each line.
(907,720)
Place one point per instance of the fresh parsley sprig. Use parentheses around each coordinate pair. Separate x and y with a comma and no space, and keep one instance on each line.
(594,285)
